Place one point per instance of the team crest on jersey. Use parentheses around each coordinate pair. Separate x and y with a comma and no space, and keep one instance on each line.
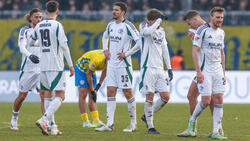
(120,31)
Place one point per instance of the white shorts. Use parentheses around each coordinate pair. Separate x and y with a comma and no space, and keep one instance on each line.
(53,80)
(153,80)
(213,83)
(119,77)
(28,81)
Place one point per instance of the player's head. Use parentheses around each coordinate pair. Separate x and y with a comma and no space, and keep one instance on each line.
(153,15)
(34,16)
(193,19)
(119,10)
(52,7)
(217,16)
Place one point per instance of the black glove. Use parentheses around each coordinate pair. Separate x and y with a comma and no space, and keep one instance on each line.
(170,74)
(97,86)
(93,94)
(34,59)
(163,17)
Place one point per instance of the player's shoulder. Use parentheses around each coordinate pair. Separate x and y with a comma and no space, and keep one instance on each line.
(23,29)
(202,28)
(111,22)
(143,25)
(129,24)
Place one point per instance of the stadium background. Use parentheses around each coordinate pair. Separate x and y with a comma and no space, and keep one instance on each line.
(85,20)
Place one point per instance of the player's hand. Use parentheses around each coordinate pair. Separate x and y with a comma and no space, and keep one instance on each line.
(191,35)
(121,55)
(97,87)
(34,58)
(200,77)
(93,95)
(72,71)
(107,54)
(170,74)
(164,17)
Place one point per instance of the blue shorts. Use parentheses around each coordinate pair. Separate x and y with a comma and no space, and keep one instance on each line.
(81,79)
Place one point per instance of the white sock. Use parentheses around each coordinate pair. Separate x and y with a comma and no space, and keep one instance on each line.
(111,105)
(148,110)
(197,111)
(132,110)
(54,105)
(15,115)
(47,102)
(159,104)
(217,117)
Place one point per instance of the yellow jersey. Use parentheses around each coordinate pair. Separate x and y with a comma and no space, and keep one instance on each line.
(91,60)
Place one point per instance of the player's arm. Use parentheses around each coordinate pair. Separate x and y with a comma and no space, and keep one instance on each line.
(103,75)
(166,57)
(65,48)
(145,31)
(105,41)
(130,52)
(195,53)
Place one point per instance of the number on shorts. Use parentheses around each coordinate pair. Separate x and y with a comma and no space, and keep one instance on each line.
(124,78)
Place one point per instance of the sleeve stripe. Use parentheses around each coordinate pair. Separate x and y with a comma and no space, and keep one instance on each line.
(202,28)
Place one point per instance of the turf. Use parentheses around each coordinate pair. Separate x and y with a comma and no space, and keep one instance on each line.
(171,120)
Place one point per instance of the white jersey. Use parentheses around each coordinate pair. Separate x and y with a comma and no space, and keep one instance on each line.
(26,49)
(153,46)
(120,37)
(51,37)
(211,41)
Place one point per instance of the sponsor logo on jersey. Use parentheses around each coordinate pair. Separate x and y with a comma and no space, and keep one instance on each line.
(115,38)
(125,85)
(157,40)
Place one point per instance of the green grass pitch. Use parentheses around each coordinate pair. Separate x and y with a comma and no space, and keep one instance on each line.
(171,120)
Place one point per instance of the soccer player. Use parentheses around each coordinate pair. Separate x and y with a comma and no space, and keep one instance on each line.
(193,20)
(120,32)
(153,78)
(209,39)
(53,43)
(85,80)
(30,71)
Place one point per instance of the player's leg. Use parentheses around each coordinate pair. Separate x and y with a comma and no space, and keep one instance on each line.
(42,101)
(131,109)
(17,105)
(93,108)
(83,107)
(111,106)
(192,96)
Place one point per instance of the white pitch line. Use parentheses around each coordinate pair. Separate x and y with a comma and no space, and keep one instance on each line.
(4,127)
(5,123)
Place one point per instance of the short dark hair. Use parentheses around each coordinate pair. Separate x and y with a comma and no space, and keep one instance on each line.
(122,5)
(153,14)
(190,14)
(216,9)
(32,11)
(52,6)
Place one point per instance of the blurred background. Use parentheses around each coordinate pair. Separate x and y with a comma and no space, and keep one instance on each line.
(85,20)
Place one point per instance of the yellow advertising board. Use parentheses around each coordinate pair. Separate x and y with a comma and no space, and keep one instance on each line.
(86,35)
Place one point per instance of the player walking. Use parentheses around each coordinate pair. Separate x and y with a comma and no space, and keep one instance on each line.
(53,42)
(209,39)
(120,32)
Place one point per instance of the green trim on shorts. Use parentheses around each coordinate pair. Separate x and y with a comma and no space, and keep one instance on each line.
(143,75)
(56,80)
(20,76)
(43,87)
(129,74)
(24,63)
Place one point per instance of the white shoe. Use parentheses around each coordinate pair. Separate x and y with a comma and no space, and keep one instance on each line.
(105,128)
(13,124)
(86,124)
(55,131)
(42,123)
(97,124)
(130,128)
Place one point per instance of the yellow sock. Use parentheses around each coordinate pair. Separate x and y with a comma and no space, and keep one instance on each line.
(95,116)
(84,117)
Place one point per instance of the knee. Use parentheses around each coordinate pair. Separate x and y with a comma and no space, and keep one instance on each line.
(22,96)
(205,103)
(166,97)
